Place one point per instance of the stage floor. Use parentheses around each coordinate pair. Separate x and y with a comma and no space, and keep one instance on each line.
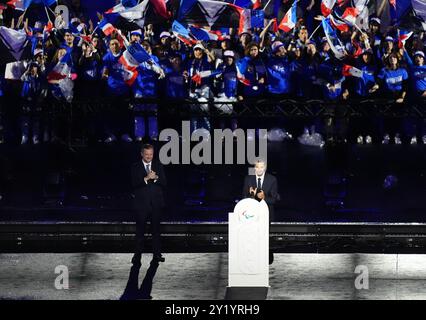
(332,184)
(204,276)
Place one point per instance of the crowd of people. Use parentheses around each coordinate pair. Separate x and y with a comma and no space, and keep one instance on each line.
(257,63)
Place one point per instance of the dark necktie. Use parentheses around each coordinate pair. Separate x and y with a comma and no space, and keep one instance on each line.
(147,168)
(259,185)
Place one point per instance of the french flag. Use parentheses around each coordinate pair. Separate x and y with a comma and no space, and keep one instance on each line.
(205,35)
(339,24)
(327,7)
(403,36)
(106,27)
(182,34)
(48,27)
(134,14)
(349,15)
(254,4)
(240,76)
(62,69)
(24,4)
(349,71)
(134,55)
(333,40)
(17,4)
(289,21)
(204,74)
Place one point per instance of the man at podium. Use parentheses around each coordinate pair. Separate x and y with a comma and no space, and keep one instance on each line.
(262,186)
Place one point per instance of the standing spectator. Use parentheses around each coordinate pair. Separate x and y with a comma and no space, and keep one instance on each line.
(227,88)
(418,84)
(135,36)
(254,71)
(118,116)
(278,69)
(146,86)
(200,89)
(176,82)
(365,87)
(31,108)
(393,83)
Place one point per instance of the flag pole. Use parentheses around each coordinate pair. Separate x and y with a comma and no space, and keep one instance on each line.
(96,28)
(47,14)
(359,29)
(315,31)
(19,20)
(266,4)
(51,10)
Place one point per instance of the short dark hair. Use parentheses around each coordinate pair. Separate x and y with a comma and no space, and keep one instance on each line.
(147,146)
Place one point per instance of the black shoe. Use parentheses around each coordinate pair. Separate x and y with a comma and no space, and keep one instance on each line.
(136,260)
(271,258)
(158,258)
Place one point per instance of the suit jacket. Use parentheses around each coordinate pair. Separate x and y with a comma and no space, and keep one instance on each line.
(269,187)
(149,194)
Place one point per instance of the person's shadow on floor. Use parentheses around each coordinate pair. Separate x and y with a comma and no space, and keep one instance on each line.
(131,292)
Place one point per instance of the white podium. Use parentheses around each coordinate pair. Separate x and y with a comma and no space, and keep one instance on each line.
(248,256)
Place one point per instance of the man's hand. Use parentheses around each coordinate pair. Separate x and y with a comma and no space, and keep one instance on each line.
(155,176)
(252,191)
(374,88)
(105,74)
(151,175)
(345,94)
(261,195)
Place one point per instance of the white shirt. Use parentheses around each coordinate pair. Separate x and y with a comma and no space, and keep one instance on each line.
(262,177)
(147,163)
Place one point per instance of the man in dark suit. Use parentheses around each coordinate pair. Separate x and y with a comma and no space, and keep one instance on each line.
(149,182)
(262,186)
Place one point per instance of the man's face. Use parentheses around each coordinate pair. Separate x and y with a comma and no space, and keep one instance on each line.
(164,40)
(389,45)
(69,38)
(260,168)
(95,42)
(281,52)
(135,38)
(147,155)
(303,34)
(229,60)
(374,27)
(325,47)
(34,71)
(419,60)
(198,53)
(114,46)
(254,51)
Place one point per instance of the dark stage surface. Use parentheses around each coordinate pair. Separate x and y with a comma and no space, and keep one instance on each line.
(49,183)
